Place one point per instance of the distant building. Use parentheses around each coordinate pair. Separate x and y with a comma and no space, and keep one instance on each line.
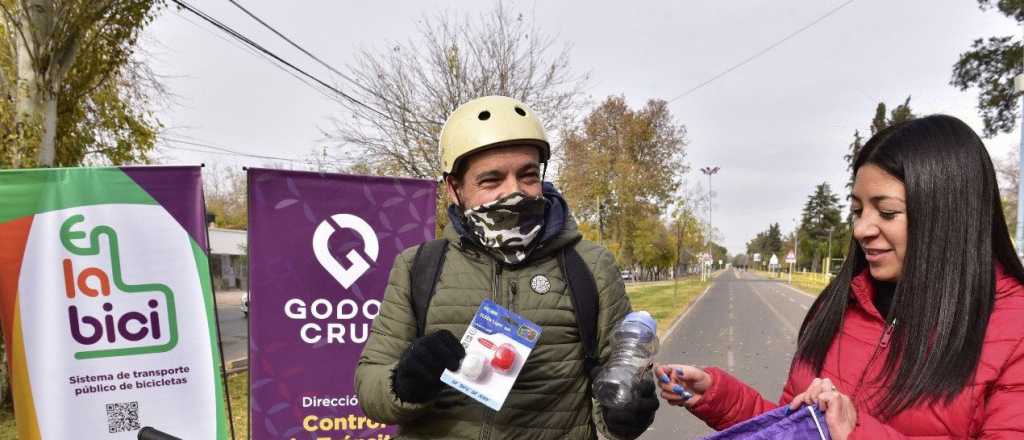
(229,263)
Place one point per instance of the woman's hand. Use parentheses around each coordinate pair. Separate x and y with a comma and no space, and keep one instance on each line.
(840,413)
(682,385)
(810,396)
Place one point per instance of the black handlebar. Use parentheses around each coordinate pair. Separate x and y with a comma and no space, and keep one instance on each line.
(150,433)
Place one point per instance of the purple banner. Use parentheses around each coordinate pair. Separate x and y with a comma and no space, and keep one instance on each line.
(321,248)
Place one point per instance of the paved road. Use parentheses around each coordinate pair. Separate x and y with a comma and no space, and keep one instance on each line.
(234,327)
(744,324)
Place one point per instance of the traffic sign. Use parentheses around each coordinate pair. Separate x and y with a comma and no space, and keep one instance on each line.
(790,258)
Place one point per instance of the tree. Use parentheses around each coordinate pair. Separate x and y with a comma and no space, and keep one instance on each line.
(653,248)
(821,214)
(688,234)
(226,197)
(74,88)
(767,243)
(1008,172)
(620,166)
(412,87)
(879,122)
(718,253)
(991,67)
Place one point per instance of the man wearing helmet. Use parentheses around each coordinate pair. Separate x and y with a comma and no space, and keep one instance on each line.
(511,239)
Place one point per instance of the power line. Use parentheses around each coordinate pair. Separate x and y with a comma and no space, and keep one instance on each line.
(310,54)
(320,84)
(269,60)
(216,23)
(761,52)
(322,62)
(223,150)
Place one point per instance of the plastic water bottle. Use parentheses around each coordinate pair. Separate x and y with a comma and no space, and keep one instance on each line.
(634,342)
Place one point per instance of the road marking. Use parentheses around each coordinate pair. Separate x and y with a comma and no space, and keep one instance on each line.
(775,311)
(730,358)
(803,306)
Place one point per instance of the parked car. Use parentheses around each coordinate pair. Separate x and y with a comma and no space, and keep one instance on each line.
(627,275)
(245,305)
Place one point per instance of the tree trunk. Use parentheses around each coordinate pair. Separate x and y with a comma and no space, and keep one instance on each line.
(48,141)
(37,106)
(27,85)
(36,99)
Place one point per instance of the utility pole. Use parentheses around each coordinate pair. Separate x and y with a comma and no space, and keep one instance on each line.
(828,258)
(796,244)
(708,171)
(675,269)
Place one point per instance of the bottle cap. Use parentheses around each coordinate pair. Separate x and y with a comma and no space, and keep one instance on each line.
(644,319)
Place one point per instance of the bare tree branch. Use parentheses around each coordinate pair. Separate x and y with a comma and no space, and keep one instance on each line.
(418,83)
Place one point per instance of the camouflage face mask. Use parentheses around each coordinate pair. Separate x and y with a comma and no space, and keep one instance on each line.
(508,226)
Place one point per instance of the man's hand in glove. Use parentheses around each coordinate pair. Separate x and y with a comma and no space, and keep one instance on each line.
(417,377)
(633,419)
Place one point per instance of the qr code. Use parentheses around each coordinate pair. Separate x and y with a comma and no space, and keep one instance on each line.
(123,417)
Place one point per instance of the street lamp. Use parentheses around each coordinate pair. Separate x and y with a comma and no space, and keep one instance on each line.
(708,171)
(828,259)
(796,246)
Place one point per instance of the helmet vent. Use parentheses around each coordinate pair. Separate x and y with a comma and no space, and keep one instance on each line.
(484,115)
(520,111)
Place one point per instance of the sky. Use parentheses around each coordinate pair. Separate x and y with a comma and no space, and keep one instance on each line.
(776,126)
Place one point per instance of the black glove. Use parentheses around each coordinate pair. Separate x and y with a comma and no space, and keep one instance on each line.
(633,419)
(417,377)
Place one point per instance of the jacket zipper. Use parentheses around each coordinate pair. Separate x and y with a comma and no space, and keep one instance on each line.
(887,335)
(883,342)
(496,296)
(513,291)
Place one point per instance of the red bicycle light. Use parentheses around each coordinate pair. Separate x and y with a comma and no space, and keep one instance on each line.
(504,358)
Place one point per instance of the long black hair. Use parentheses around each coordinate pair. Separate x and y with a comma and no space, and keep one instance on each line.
(956,233)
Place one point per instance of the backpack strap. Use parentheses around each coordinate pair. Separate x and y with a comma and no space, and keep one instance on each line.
(426,269)
(584,303)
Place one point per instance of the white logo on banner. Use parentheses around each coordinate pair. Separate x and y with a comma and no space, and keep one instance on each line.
(346,276)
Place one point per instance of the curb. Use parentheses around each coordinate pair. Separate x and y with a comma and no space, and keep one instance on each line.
(689,307)
(785,284)
(799,291)
(236,365)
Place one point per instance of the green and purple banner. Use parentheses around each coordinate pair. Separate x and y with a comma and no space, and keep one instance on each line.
(105,303)
(321,248)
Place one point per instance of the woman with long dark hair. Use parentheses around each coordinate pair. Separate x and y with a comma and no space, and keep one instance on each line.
(920,333)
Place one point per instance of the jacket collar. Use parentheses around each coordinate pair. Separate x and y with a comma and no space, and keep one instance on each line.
(862,288)
(1006,283)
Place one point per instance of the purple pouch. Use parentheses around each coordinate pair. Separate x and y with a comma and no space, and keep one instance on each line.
(806,423)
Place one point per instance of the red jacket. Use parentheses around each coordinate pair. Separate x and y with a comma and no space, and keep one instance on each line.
(992,407)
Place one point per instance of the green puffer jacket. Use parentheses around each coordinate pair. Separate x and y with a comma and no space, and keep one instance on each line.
(551,398)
